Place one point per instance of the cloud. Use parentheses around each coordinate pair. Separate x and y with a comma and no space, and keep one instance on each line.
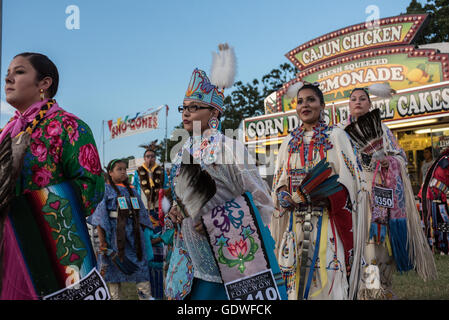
(6,112)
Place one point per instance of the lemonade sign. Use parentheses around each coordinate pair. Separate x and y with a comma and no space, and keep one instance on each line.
(400,70)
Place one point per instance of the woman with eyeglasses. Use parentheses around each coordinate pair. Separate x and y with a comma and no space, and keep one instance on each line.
(315,228)
(394,238)
(198,267)
(51,180)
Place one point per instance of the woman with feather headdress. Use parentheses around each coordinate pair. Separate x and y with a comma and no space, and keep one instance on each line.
(150,180)
(394,237)
(315,189)
(51,180)
(218,238)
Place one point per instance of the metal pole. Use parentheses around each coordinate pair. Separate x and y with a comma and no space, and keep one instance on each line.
(102,129)
(166,141)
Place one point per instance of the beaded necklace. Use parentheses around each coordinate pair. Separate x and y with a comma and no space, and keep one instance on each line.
(319,142)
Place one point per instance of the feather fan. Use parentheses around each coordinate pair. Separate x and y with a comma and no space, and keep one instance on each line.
(194,187)
(153,146)
(367,133)
(224,66)
(318,184)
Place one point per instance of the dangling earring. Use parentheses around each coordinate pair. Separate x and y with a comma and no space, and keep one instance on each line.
(42,94)
(213,123)
(322,114)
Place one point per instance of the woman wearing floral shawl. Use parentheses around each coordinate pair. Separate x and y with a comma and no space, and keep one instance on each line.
(51,176)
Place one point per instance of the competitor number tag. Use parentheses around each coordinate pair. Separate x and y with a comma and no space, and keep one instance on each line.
(259,286)
(383,197)
(122,203)
(135,203)
(91,287)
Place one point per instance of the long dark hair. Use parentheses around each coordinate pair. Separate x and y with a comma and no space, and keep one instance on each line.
(110,167)
(44,68)
(361,89)
(123,214)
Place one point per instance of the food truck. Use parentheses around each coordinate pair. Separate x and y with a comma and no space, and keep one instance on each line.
(358,56)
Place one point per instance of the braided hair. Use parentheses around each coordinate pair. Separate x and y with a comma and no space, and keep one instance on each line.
(110,167)
(123,214)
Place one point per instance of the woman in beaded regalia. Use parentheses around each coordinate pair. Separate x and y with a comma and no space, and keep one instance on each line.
(316,240)
(196,271)
(394,237)
(51,180)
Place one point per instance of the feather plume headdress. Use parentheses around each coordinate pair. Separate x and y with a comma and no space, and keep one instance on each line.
(381,90)
(224,67)
(223,71)
(153,146)
(292,90)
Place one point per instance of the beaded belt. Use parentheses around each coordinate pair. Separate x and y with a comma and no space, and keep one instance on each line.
(439,185)
(315,211)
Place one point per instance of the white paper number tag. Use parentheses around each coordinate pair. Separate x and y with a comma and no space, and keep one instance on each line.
(383,197)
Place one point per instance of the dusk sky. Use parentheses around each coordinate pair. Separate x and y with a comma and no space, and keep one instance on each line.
(129,56)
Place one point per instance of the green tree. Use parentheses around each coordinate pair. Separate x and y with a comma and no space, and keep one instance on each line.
(247,100)
(437,29)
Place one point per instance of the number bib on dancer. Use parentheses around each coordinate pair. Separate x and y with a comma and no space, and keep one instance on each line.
(91,287)
(383,197)
(243,248)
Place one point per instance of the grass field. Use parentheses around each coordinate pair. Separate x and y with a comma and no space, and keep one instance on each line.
(410,287)
(406,286)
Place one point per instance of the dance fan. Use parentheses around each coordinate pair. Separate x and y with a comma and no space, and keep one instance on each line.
(194,186)
(318,184)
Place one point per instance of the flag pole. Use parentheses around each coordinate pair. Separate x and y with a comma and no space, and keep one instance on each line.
(104,164)
(166,141)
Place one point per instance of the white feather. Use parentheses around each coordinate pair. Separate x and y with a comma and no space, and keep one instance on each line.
(292,91)
(224,67)
(382,90)
(165,205)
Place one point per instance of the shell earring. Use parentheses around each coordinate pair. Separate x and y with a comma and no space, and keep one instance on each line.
(213,123)
(41,91)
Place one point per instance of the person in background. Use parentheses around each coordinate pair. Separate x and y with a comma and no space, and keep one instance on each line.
(123,225)
(53,183)
(395,238)
(426,164)
(149,180)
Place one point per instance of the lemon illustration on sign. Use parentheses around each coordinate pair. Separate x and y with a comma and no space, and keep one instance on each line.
(419,74)
(415,75)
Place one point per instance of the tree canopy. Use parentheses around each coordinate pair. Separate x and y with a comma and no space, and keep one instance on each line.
(437,30)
